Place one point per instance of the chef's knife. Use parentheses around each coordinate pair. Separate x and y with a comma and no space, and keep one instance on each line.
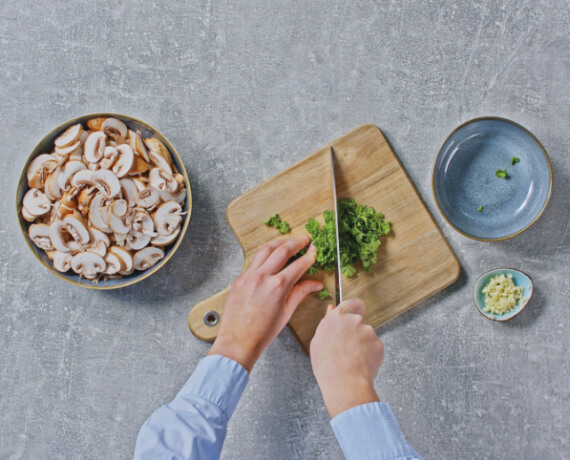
(338,282)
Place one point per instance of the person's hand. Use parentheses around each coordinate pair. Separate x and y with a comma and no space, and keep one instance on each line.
(346,355)
(262,300)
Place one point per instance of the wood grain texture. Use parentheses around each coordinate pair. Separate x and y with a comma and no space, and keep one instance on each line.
(414,262)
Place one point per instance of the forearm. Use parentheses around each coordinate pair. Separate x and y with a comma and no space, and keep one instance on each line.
(371,432)
(193,425)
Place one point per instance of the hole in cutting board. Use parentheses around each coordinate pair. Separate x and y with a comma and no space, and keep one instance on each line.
(211,318)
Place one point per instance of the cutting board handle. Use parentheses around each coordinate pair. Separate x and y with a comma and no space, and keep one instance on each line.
(204,319)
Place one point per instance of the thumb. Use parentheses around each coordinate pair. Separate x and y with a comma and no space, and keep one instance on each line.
(355,306)
(299,292)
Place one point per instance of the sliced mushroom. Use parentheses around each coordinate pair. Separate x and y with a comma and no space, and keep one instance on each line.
(114,128)
(120,239)
(68,203)
(39,234)
(165,240)
(142,222)
(129,191)
(147,257)
(118,224)
(140,183)
(159,161)
(98,236)
(94,124)
(38,169)
(109,157)
(96,213)
(27,216)
(64,152)
(139,166)
(162,180)
(113,264)
(88,264)
(69,137)
(180,196)
(99,242)
(119,219)
(36,203)
(59,237)
(106,182)
(147,198)
(156,145)
(82,178)
(167,218)
(94,147)
(61,260)
(71,168)
(119,208)
(84,199)
(97,248)
(137,240)
(125,161)
(139,147)
(127,265)
(51,187)
(75,226)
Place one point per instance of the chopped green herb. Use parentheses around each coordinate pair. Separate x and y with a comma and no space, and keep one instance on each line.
(360,230)
(281,225)
(515,160)
(284,227)
(480,209)
(502,173)
(323,293)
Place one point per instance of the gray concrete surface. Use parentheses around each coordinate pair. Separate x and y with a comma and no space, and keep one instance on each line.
(244,90)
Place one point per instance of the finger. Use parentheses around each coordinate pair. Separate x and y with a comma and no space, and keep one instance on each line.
(299,292)
(355,306)
(265,251)
(279,257)
(297,269)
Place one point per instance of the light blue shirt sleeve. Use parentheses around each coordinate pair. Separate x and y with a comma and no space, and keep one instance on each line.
(193,425)
(371,432)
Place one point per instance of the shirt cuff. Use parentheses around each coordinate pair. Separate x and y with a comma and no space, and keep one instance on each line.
(216,379)
(371,431)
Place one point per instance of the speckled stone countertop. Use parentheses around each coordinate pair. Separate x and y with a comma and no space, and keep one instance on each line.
(244,90)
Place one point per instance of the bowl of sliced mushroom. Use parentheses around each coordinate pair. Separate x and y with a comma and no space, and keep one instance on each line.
(104,201)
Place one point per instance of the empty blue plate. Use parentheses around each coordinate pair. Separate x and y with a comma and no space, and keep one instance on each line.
(468,192)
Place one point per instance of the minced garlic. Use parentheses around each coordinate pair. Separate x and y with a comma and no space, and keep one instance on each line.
(501,294)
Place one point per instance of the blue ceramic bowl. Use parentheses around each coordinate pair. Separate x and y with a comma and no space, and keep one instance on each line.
(464,179)
(46,145)
(519,278)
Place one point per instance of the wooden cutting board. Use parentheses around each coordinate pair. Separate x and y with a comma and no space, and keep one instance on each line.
(415,260)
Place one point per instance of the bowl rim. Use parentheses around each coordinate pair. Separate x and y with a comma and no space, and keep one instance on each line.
(550,177)
(22,182)
(500,269)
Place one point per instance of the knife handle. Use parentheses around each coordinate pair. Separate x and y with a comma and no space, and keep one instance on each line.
(204,318)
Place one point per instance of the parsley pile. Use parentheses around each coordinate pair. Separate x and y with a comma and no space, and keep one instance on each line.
(360,229)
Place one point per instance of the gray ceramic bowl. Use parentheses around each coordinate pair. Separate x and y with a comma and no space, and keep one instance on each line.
(471,197)
(45,146)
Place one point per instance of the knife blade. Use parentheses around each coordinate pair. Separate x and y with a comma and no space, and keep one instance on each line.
(337,277)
